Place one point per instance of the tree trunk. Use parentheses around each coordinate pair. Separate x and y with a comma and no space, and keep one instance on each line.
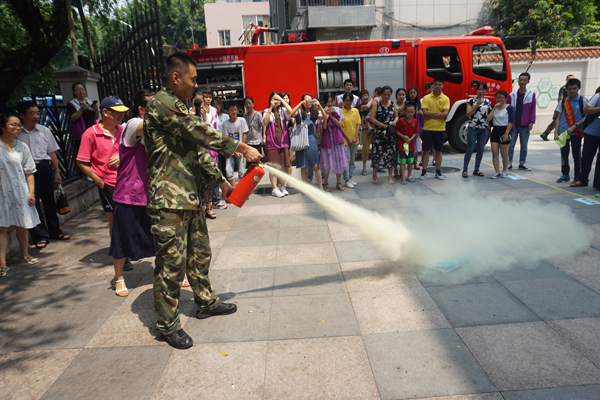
(72,31)
(86,31)
(47,38)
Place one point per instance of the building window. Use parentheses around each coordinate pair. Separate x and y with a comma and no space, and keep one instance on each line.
(224,38)
(258,20)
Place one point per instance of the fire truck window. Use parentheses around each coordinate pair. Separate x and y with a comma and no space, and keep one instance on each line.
(444,62)
(224,38)
(489,62)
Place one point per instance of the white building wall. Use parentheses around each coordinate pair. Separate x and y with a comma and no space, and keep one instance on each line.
(586,70)
(228,16)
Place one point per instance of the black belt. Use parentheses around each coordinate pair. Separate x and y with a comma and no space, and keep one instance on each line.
(41,161)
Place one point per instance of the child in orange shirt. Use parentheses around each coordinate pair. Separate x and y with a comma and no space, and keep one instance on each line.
(406,130)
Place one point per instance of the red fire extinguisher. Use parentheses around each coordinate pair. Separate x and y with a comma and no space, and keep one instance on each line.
(246,185)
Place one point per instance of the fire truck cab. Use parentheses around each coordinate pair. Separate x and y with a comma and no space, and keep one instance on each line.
(320,68)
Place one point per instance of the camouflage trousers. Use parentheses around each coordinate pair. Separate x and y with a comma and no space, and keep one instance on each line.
(182,247)
(552,125)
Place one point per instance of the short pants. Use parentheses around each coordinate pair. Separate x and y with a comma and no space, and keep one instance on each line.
(106,197)
(497,133)
(433,139)
(406,159)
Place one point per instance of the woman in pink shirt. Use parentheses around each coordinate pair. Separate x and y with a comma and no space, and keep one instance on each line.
(131,237)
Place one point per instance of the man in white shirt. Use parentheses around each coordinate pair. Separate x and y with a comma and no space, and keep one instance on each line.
(348,87)
(43,148)
(236,128)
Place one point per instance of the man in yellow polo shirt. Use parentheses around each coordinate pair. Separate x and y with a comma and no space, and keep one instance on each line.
(436,106)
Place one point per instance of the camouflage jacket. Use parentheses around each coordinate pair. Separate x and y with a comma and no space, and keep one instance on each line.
(178,165)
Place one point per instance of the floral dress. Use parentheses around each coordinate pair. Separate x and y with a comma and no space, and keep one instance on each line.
(384,145)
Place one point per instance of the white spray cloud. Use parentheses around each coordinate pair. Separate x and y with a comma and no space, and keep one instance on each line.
(493,233)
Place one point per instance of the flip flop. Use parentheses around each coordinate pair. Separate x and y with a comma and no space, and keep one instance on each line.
(364,172)
(42,244)
(376,181)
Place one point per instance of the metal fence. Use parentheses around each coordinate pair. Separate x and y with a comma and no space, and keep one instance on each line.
(56,119)
(136,59)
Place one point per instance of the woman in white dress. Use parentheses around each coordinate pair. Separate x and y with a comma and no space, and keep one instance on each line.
(17,189)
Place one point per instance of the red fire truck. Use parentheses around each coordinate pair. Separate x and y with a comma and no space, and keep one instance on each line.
(319,68)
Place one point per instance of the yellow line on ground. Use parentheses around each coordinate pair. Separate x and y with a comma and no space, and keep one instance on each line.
(541,183)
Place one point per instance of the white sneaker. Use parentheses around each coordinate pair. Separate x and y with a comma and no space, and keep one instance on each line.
(220,205)
(283,190)
(496,175)
(277,193)
(439,176)
(504,174)
(349,184)
(423,176)
(354,183)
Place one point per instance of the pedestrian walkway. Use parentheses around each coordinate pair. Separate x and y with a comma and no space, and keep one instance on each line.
(320,314)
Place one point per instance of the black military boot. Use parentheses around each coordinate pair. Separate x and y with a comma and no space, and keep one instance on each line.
(179,340)
(222,309)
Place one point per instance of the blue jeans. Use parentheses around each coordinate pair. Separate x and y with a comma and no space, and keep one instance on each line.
(230,167)
(351,153)
(523,133)
(479,136)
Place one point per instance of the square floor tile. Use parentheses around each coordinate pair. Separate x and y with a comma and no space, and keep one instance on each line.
(399,310)
(203,372)
(242,283)
(583,334)
(250,210)
(372,276)
(528,356)
(535,270)
(94,375)
(29,374)
(246,257)
(556,298)
(424,363)
(220,224)
(479,396)
(300,208)
(342,232)
(294,317)
(67,318)
(479,304)
(336,368)
(356,250)
(255,223)
(251,237)
(375,191)
(296,220)
(217,238)
(308,279)
(249,323)
(306,234)
(591,392)
(305,254)
(134,321)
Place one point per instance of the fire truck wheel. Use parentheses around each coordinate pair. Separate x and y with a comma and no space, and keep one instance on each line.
(457,132)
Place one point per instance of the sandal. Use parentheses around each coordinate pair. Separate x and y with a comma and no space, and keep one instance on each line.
(340,187)
(326,188)
(478,173)
(210,214)
(29,260)
(465,174)
(364,172)
(416,166)
(62,236)
(185,282)
(42,244)
(390,181)
(122,290)
(376,181)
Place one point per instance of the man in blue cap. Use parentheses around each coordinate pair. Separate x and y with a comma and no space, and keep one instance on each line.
(98,155)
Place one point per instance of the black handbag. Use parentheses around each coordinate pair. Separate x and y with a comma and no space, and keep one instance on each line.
(390,131)
(62,205)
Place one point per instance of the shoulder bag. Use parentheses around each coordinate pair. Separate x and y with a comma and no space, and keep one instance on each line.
(299,135)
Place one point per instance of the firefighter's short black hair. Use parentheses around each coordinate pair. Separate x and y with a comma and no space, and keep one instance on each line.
(175,63)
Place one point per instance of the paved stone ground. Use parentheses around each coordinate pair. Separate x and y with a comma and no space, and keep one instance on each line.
(321,315)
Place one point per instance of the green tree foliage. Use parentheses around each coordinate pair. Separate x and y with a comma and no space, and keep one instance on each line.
(551,21)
